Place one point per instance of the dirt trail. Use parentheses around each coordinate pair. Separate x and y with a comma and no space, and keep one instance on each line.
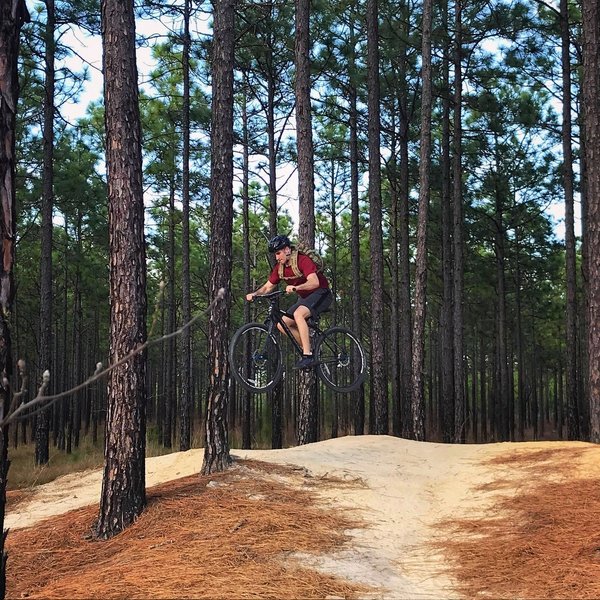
(408,488)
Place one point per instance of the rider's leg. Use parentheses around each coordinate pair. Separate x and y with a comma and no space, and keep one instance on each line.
(293,328)
(300,315)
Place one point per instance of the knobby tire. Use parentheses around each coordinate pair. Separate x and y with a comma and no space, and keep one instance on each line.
(257,368)
(341,360)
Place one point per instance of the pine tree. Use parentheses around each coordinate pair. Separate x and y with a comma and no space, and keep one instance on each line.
(13,14)
(216,451)
(123,494)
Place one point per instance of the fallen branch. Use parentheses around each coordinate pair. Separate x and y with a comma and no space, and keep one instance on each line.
(48,401)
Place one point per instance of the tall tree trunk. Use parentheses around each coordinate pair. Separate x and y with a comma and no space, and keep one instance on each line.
(447,405)
(501,420)
(275,396)
(483,395)
(96,393)
(77,333)
(560,401)
(308,423)
(185,375)
(583,381)
(474,416)
(405,324)
(395,292)
(246,396)
(359,395)
(458,238)
(591,99)
(535,395)
(64,379)
(333,240)
(216,451)
(169,359)
(272,149)
(306,184)
(42,429)
(124,480)
(61,421)
(418,362)
(520,413)
(379,396)
(12,17)
(161,378)
(570,252)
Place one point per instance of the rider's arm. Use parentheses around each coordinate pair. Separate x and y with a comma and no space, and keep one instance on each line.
(263,289)
(311,283)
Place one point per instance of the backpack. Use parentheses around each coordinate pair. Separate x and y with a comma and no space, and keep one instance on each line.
(301,249)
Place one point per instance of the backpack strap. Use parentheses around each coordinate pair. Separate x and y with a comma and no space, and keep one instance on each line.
(296,272)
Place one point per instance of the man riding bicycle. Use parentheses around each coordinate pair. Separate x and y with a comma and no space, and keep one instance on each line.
(302,277)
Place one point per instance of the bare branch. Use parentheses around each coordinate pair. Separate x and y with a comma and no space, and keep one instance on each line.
(47,401)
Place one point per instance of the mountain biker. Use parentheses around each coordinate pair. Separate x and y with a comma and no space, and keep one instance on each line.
(312,287)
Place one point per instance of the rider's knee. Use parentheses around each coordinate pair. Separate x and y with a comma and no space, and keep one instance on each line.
(301,313)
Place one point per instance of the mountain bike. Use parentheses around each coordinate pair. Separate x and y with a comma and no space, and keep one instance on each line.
(256,355)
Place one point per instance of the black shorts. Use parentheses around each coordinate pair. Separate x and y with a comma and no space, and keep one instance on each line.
(318,302)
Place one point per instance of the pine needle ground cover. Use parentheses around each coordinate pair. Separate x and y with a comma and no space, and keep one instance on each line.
(233,535)
(540,539)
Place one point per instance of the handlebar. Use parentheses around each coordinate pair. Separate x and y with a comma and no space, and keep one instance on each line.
(270,295)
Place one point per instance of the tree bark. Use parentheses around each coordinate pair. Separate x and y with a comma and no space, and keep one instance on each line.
(447,404)
(216,451)
(483,396)
(501,421)
(246,395)
(271,144)
(77,332)
(418,362)
(359,398)
(591,99)
(308,420)
(123,484)
(42,428)
(379,395)
(570,251)
(394,329)
(520,413)
(13,14)
(458,238)
(404,298)
(169,360)
(275,396)
(306,167)
(185,400)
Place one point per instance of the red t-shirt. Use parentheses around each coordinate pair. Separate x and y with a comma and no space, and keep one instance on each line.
(306,266)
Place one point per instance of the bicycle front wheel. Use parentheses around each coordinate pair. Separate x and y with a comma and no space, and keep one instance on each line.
(341,360)
(255,358)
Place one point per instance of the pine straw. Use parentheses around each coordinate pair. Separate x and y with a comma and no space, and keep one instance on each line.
(226,536)
(543,542)
(17,498)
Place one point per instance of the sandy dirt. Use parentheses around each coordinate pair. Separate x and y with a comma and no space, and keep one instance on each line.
(409,488)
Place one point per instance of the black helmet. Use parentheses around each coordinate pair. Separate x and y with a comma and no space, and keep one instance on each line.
(279,242)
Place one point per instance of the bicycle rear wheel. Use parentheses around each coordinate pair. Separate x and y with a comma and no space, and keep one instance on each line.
(255,358)
(341,360)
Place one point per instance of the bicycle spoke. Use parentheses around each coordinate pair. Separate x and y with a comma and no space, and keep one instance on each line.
(255,358)
(341,360)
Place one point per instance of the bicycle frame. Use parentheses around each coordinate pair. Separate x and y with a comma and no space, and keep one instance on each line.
(276,315)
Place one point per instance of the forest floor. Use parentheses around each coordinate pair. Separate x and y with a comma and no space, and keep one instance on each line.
(353,517)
